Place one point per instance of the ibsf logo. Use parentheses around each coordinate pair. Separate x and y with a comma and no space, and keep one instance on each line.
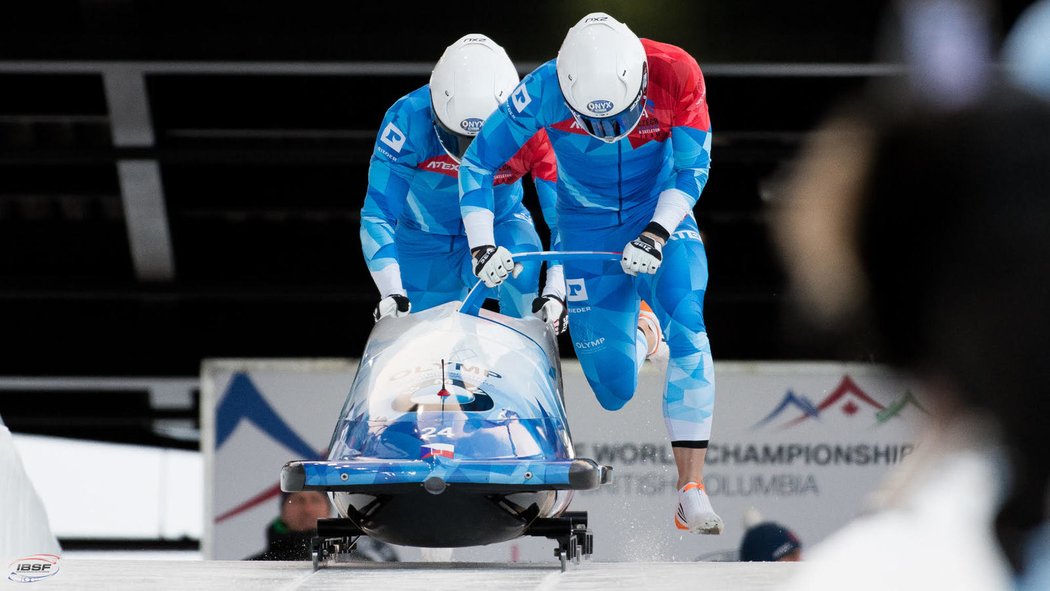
(600,107)
(471,125)
(33,568)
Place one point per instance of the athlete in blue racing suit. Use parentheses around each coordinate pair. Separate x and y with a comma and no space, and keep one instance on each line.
(411,231)
(614,189)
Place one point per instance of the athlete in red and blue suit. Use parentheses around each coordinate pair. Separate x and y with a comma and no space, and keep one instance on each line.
(622,191)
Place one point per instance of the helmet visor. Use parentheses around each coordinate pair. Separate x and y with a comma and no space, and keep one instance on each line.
(612,128)
(455,144)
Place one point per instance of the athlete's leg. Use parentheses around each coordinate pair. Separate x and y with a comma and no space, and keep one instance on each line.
(677,295)
(603,323)
(677,292)
(517,234)
(603,303)
(426,260)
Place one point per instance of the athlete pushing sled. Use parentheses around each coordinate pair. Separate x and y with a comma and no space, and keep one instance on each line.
(411,231)
(628,122)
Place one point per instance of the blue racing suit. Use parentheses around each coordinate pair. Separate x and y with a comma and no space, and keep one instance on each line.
(607,194)
(411,231)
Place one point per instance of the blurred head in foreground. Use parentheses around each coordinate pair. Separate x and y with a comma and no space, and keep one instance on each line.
(927,237)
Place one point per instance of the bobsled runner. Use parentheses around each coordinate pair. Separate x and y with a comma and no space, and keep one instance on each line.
(454,434)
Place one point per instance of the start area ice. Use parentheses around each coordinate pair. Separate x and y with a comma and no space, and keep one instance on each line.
(114,575)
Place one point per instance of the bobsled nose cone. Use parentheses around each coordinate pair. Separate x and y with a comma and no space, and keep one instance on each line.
(435,485)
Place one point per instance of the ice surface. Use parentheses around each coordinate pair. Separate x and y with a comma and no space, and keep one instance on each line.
(112,575)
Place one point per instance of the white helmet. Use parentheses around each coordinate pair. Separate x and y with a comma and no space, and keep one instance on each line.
(471,79)
(603,76)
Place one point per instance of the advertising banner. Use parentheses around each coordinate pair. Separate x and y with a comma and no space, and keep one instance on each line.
(803,444)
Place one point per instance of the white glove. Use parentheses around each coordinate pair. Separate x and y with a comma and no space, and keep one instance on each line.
(642,255)
(492,264)
(395,305)
(551,309)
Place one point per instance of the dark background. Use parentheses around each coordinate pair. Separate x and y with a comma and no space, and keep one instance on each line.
(264,175)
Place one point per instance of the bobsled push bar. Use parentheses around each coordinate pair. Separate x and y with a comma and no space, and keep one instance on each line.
(476,298)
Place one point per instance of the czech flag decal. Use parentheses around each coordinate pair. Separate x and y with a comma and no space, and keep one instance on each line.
(430,450)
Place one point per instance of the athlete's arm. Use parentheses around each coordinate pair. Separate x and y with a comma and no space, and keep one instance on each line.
(691,148)
(502,135)
(550,305)
(544,170)
(390,173)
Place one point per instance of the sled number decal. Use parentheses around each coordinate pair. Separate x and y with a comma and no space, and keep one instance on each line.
(427,433)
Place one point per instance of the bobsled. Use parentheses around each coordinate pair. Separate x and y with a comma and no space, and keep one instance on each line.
(453,434)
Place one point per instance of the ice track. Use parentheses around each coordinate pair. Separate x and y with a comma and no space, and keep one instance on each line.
(113,575)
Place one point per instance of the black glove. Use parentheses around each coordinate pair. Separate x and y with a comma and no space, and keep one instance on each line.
(551,309)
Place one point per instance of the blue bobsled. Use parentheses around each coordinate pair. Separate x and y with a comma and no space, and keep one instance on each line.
(454,434)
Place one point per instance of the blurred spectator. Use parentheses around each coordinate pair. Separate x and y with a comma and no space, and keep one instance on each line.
(1036,576)
(1027,49)
(930,231)
(770,542)
(1027,55)
(764,541)
(289,535)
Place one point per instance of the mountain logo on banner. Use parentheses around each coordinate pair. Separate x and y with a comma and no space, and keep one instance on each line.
(790,401)
(847,398)
(898,406)
(244,402)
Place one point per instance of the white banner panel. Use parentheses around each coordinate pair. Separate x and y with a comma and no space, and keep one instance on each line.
(802,443)
(255,416)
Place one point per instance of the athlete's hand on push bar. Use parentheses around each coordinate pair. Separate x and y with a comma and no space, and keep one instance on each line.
(492,264)
(644,254)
